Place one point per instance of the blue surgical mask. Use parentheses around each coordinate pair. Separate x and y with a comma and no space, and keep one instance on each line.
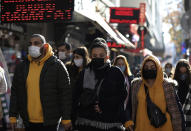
(168,70)
(122,68)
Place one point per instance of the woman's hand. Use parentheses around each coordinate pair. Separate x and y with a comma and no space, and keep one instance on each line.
(97,108)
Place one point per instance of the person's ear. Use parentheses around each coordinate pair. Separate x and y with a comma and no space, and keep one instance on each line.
(44,48)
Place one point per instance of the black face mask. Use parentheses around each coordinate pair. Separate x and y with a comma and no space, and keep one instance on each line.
(97,63)
(149,74)
(183,76)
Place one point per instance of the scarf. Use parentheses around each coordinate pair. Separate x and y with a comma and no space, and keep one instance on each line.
(156,93)
(89,79)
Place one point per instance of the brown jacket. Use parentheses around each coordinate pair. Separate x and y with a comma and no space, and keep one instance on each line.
(172,104)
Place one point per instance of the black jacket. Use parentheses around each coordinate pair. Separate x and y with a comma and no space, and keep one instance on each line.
(55,92)
(73,73)
(112,96)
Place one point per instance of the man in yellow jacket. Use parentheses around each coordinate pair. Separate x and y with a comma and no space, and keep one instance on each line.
(41,92)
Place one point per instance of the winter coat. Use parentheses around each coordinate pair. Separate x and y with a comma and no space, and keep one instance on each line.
(187,109)
(55,92)
(73,73)
(111,98)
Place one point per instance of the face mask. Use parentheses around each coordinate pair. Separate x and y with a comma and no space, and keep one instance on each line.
(61,55)
(183,76)
(70,54)
(122,68)
(149,74)
(168,70)
(97,63)
(34,51)
(78,62)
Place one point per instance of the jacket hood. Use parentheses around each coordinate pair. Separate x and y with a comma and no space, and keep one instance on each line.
(182,63)
(48,54)
(159,78)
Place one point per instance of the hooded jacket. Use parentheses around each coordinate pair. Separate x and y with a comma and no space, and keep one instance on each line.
(184,90)
(162,94)
(54,90)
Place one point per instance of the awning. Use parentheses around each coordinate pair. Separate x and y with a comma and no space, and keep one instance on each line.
(104,26)
(140,51)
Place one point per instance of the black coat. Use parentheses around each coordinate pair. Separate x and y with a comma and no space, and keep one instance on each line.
(55,92)
(112,96)
(73,73)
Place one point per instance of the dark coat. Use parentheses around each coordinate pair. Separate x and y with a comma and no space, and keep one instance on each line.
(112,96)
(73,73)
(55,92)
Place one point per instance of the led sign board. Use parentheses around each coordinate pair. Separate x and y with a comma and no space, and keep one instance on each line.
(114,45)
(13,11)
(124,15)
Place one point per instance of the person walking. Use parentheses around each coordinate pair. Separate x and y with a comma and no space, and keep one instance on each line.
(79,61)
(168,69)
(4,121)
(183,76)
(100,93)
(3,82)
(154,103)
(121,62)
(64,52)
(40,91)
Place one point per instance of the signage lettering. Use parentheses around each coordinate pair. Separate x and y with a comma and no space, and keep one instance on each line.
(36,10)
(124,15)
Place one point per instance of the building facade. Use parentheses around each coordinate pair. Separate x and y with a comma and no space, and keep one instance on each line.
(154,37)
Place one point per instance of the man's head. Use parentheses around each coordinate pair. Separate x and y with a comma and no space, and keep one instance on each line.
(35,45)
(64,50)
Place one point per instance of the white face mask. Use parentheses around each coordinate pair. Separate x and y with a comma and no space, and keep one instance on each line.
(61,55)
(78,62)
(34,51)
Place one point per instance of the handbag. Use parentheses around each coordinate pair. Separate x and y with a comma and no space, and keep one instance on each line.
(90,96)
(156,116)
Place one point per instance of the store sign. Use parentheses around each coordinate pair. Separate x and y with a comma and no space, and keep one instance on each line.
(124,15)
(114,45)
(142,14)
(36,10)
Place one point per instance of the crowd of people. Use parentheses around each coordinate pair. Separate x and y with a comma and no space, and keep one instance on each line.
(84,91)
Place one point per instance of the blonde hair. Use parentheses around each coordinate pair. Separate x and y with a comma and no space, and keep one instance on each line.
(128,71)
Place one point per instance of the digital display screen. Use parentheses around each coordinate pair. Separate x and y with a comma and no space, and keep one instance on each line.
(124,15)
(114,45)
(13,11)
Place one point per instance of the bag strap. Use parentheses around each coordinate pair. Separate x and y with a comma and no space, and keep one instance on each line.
(147,93)
(148,97)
